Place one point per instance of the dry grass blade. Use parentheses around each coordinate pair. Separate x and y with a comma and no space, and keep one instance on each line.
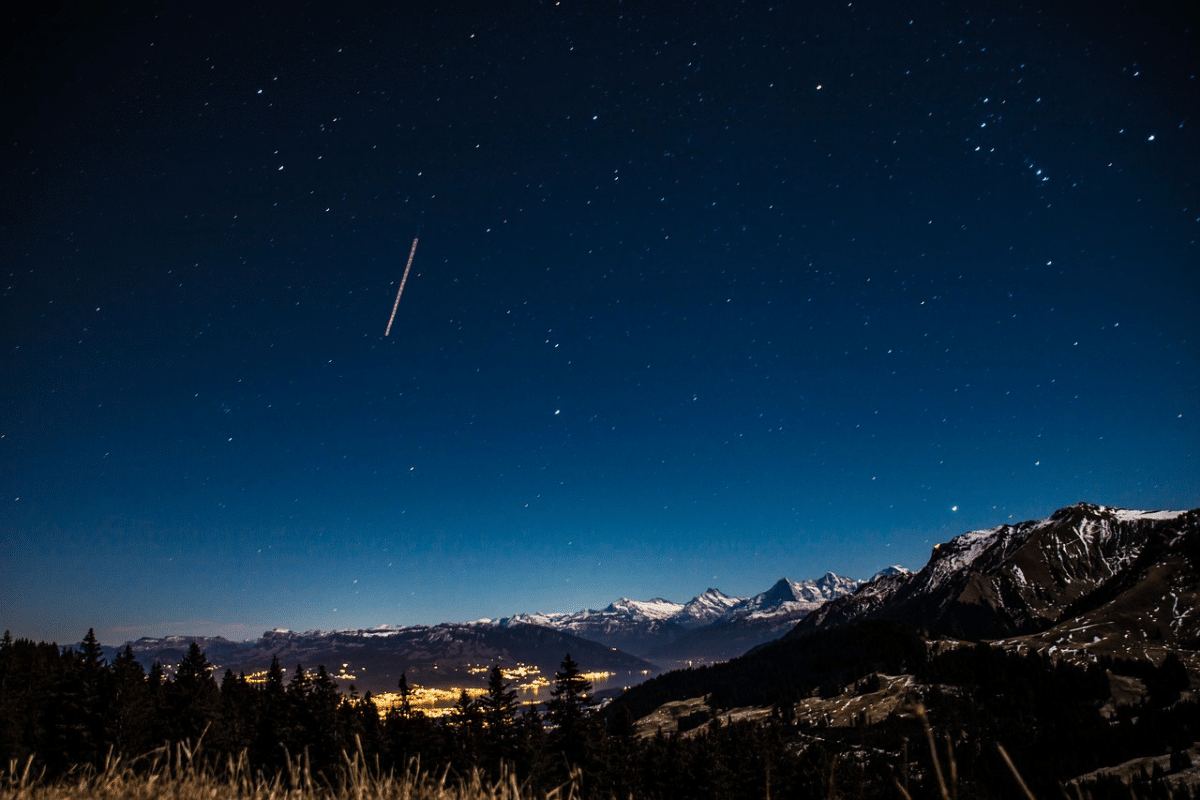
(1013,768)
(917,710)
(952,762)
(178,772)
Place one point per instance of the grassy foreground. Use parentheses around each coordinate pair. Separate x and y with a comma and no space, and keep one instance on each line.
(179,773)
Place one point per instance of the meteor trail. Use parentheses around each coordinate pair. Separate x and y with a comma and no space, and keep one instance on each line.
(400,291)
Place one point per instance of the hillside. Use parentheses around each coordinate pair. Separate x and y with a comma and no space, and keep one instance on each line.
(1071,640)
(438,656)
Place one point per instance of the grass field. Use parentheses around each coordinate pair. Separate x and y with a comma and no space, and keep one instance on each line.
(179,773)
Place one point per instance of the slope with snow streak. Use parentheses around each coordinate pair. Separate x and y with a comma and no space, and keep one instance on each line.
(1145,611)
(1013,579)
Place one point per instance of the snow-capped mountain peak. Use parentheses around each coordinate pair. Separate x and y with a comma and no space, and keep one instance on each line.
(709,606)
(654,609)
(1021,578)
(782,591)
(1131,515)
(794,598)
(657,625)
(895,569)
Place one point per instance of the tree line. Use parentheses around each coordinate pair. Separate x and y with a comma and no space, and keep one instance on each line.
(68,708)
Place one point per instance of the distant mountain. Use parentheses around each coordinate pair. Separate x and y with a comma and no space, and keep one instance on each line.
(634,626)
(788,598)
(628,638)
(1046,577)
(435,656)
(170,650)
(709,607)
(710,627)
(755,620)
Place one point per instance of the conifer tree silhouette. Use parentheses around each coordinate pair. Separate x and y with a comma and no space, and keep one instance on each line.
(570,706)
(193,696)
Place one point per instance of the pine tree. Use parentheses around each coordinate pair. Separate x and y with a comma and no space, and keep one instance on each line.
(296,726)
(97,696)
(194,670)
(570,711)
(570,697)
(274,675)
(300,685)
(465,712)
(30,681)
(272,718)
(238,715)
(127,669)
(193,697)
(405,709)
(467,725)
(91,654)
(326,733)
(14,702)
(499,710)
(499,705)
(407,730)
(136,727)
(80,703)
(530,744)
(369,719)
(155,678)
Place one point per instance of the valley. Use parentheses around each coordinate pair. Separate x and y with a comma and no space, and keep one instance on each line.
(1071,640)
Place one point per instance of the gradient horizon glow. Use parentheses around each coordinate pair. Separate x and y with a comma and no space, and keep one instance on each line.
(703,298)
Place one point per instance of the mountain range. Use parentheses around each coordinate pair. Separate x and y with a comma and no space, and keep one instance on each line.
(1071,641)
(1087,580)
(630,639)
(710,627)
(1088,584)
(373,659)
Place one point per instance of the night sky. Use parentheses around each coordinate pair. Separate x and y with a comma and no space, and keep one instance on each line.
(705,295)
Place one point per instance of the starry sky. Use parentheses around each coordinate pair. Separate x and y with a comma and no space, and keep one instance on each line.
(705,294)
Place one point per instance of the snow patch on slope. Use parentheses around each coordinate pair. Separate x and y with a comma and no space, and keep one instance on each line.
(1132,515)
(656,609)
(959,553)
(710,606)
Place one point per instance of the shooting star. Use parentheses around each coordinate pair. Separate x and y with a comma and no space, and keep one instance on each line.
(400,291)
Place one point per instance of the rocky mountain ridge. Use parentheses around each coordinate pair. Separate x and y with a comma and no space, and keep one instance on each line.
(615,639)
(1044,578)
(710,627)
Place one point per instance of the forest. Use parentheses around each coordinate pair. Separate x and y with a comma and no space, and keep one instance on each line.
(66,710)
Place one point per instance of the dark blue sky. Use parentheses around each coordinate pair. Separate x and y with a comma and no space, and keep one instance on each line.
(704,295)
